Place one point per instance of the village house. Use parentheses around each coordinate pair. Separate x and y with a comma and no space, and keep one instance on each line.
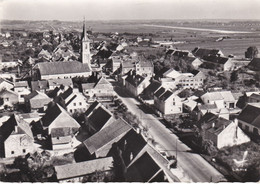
(79,172)
(102,89)
(254,98)
(44,54)
(60,127)
(135,83)
(222,132)
(185,80)
(223,99)
(249,119)
(101,142)
(142,162)
(10,98)
(40,85)
(6,84)
(195,62)
(22,89)
(167,101)
(61,70)
(66,83)
(96,117)
(74,101)
(225,63)
(148,93)
(201,52)
(37,101)
(16,138)
(143,68)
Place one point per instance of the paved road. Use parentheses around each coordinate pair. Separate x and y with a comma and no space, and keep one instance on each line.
(194,166)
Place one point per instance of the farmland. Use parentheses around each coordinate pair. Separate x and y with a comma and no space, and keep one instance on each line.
(246,33)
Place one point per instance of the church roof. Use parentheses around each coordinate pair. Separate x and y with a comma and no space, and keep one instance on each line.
(53,68)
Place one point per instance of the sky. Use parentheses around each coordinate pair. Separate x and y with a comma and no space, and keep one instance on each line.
(75,10)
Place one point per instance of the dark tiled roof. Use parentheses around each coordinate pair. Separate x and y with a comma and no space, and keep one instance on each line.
(199,52)
(52,68)
(51,114)
(181,53)
(219,125)
(216,59)
(58,82)
(254,64)
(131,142)
(251,115)
(159,92)
(134,80)
(66,93)
(91,108)
(99,118)
(153,87)
(170,51)
(142,170)
(206,118)
(106,135)
(165,95)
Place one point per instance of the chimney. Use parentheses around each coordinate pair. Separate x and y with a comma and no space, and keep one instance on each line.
(213,125)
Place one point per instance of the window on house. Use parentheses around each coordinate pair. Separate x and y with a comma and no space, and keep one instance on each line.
(24,150)
(240,125)
(74,104)
(7,99)
(80,103)
(12,152)
(58,138)
(71,110)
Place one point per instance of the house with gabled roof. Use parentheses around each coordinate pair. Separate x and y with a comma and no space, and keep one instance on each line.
(202,52)
(167,101)
(223,99)
(40,85)
(59,126)
(37,101)
(79,172)
(16,138)
(137,157)
(96,117)
(249,119)
(225,63)
(195,62)
(9,97)
(102,89)
(74,100)
(222,132)
(44,54)
(101,142)
(185,80)
(61,70)
(148,93)
(5,84)
(135,83)
(22,89)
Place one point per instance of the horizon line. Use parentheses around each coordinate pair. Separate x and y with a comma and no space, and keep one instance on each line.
(160,19)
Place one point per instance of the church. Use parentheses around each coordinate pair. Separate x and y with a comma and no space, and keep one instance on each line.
(68,69)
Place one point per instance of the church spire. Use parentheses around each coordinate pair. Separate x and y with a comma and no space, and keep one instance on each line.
(84,36)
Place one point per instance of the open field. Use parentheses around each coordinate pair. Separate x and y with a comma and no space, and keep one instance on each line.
(194,33)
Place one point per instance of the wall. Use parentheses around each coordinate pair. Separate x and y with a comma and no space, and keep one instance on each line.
(20,144)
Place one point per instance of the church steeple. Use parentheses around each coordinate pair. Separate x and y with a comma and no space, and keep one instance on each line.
(85,46)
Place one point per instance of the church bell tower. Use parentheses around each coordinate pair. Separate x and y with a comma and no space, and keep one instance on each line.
(85,47)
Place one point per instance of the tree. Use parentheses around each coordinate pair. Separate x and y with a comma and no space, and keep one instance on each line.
(234,76)
(251,52)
